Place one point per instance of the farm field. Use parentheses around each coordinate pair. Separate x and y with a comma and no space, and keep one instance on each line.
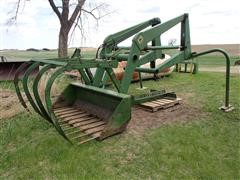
(215,62)
(192,141)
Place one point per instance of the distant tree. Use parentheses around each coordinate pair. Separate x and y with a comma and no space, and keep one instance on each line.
(69,21)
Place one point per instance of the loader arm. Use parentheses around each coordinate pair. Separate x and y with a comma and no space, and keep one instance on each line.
(111,42)
(118,37)
(140,43)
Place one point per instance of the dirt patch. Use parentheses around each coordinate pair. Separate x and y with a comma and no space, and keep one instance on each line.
(232,49)
(143,120)
(9,104)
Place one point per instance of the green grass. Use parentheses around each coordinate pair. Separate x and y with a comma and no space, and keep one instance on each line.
(207,147)
(215,61)
(204,61)
(27,55)
(210,60)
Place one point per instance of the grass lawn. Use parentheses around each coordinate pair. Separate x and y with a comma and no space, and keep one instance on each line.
(206,147)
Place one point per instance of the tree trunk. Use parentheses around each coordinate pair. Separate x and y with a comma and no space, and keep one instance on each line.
(63,42)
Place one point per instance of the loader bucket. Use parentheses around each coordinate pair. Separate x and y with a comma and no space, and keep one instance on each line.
(85,112)
(82,113)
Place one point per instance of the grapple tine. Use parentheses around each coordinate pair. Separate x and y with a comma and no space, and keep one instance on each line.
(49,101)
(16,81)
(25,87)
(36,91)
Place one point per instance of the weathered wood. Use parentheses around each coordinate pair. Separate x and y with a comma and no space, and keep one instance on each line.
(63,109)
(66,112)
(86,127)
(81,119)
(76,116)
(158,104)
(71,113)
(79,125)
(86,122)
(96,129)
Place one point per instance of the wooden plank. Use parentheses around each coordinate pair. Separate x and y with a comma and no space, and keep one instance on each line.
(63,109)
(97,134)
(148,104)
(86,122)
(165,100)
(93,125)
(160,104)
(60,107)
(96,129)
(76,117)
(155,102)
(67,112)
(179,99)
(81,119)
(71,114)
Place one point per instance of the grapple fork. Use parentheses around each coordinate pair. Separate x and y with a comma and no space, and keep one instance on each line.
(83,112)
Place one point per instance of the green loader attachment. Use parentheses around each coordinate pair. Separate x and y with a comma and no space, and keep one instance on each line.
(90,110)
(82,106)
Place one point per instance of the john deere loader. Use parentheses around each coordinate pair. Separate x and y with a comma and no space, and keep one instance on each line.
(89,110)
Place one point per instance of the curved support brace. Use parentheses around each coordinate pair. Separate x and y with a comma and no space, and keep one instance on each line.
(49,101)
(25,86)
(227,107)
(36,91)
(16,81)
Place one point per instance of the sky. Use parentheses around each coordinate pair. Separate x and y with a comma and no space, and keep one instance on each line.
(211,22)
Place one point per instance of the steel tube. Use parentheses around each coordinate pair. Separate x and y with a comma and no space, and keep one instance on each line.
(162,47)
(227,69)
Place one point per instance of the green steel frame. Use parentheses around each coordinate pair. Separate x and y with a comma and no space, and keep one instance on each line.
(107,58)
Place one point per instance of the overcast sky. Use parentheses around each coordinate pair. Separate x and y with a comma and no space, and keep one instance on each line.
(211,22)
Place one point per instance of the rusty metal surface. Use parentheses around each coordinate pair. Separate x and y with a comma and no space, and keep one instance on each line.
(8,69)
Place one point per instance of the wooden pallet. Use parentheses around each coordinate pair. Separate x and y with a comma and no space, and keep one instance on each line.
(158,104)
(79,125)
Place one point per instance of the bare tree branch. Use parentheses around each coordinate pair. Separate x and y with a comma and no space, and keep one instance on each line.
(91,13)
(99,8)
(97,12)
(78,23)
(55,9)
(16,13)
(13,19)
(76,12)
